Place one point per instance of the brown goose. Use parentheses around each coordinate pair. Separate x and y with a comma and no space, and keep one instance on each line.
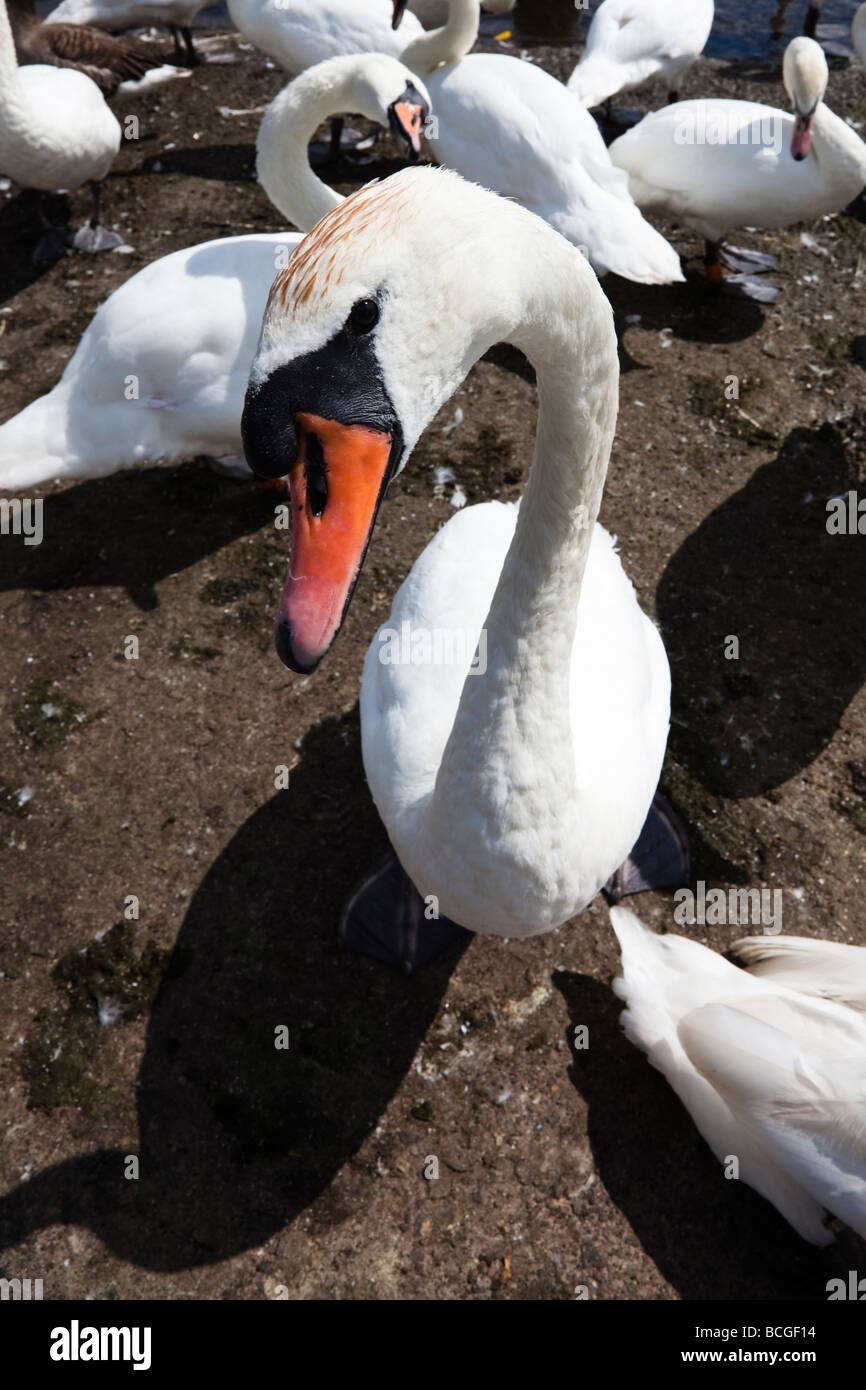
(108,61)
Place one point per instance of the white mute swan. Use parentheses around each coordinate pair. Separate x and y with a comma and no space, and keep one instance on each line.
(717,164)
(109,62)
(176,15)
(630,41)
(161,370)
(510,126)
(299,33)
(55,132)
(772,1073)
(514,785)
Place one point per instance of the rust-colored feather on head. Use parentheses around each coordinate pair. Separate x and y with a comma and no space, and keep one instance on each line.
(319,263)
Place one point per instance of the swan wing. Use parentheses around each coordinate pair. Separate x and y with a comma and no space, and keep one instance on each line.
(508,125)
(670,985)
(631,40)
(829,969)
(807,1106)
(184,331)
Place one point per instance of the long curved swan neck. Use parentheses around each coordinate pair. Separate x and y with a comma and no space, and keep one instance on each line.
(448,44)
(835,144)
(289,124)
(514,722)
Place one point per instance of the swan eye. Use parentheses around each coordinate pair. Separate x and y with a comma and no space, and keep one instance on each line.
(364,315)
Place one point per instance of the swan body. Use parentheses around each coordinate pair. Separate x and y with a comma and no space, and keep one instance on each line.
(126,14)
(499,861)
(751,178)
(510,796)
(184,329)
(56,131)
(510,126)
(630,41)
(299,34)
(770,1071)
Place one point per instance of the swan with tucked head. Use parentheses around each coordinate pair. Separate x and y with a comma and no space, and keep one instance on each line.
(510,126)
(510,793)
(716,165)
(630,41)
(770,1062)
(185,327)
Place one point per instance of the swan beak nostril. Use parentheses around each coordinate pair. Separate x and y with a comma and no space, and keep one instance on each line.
(336,484)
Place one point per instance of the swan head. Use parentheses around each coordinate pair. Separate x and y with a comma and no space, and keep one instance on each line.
(371,326)
(805,75)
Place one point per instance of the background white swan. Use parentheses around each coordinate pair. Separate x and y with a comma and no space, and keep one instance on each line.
(161,370)
(298,33)
(630,41)
(717,164)
(510,126)
(55,132)
(176,15)
(771,1075)
(510,796)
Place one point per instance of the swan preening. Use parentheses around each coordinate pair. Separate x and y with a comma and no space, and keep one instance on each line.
(55,132)
(184,329)
(716,165)
(509,797)
(770,1062)
(510,126)
(630,41)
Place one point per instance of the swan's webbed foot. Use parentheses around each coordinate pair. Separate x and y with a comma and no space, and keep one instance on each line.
(737,271)
(660,859)
(387,918)
(94,237)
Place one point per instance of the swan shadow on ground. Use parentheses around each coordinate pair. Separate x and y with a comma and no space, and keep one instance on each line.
(763,568)
(711,1238)
(237,1137)
(237,163)
(20,231)
(695,312)
(133,529)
